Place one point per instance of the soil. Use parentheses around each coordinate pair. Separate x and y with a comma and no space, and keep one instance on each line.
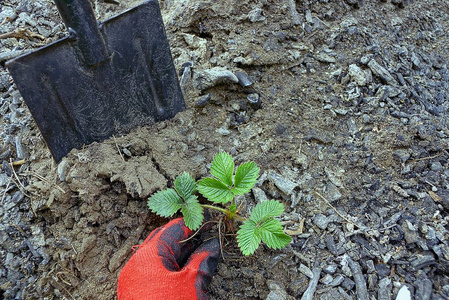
(346,115)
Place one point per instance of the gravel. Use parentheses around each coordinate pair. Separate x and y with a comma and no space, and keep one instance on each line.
(329,98)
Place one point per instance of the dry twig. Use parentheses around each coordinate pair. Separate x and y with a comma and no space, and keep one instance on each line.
(21,33)
(6,189)
(339,213)
(40,177)
(118,148)
(18,182)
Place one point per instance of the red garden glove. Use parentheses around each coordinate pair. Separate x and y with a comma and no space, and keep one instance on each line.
(165,269)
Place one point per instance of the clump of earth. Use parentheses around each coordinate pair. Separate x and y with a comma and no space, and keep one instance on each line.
(342,104)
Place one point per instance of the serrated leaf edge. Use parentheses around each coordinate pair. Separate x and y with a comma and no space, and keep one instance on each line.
(222,169)
(185,194)
(206,190)
(164,194)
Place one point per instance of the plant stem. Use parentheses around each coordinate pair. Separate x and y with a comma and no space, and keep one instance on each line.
(216,208)
(237,217)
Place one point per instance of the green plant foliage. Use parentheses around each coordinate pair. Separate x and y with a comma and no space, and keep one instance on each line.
(166,203)
(273,234)
(245,178)
(192,212)
(223,168)
(185,185)
(215,190)
(248,237)
(265,210)
(261,226)
(225,186)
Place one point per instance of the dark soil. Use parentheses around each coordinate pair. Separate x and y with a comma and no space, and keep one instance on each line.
(342,104)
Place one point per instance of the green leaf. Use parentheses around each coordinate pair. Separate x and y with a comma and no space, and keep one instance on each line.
(192,212)
(265,210)
(215,190)
(165,203)
(185,185)
(223,167)
(233,208)
(245,177)
(272,234)
(248,237)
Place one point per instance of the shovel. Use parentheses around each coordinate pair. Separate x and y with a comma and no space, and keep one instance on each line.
(103,79)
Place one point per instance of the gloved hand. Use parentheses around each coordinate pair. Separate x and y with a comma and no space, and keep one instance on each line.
(164,269)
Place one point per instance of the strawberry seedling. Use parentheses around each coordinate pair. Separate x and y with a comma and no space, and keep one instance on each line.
(221,189)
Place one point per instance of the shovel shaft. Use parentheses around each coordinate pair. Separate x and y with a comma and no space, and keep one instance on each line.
(79,18)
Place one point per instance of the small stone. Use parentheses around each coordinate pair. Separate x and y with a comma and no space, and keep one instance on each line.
(372,281)
(348,284)
(309,17)
(325,58)
(4,179)
(256,15)
(382,72)
(16,98)
(295,15)
(321,221)
(330,269)
(259,195)
(416,62)
(366,59)
(126,152)
(404,293)
(370,266)
(383,270)
(359,280)
(384,291)
(223,131)
(334,249)
(7,14)
(202,101)
(305,270)
(302,160)
(436,166)
(24,17)
(357,75)
(402,155)
(20,151)
(63,169)
(285,185)
(186,76)
(442,251)
(254,99)
(327,279)
(410,232)
(333,177)
(422,262)
(332,192)
(17,197)
(424,289)
(211,77)
(277,292)
(310,291)
(337,280)
(400,191)
(244,79)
